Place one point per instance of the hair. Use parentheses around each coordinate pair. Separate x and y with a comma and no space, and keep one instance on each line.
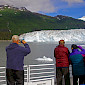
(15,37)
(74,46)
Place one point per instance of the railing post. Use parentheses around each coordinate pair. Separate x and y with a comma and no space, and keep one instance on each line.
(29,73)
(78,81)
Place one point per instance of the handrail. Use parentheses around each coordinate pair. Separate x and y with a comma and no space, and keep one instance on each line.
(2,67)
(41,69)
(41,73)
(42,77)
(41,65)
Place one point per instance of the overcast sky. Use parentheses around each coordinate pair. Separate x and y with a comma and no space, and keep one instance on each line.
(72,8)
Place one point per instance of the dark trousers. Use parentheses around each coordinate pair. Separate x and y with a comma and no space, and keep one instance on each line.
(81,80)
(14,77)
(59,73)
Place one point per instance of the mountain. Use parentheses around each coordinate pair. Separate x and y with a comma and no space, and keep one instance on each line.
(82,18)
(15,20)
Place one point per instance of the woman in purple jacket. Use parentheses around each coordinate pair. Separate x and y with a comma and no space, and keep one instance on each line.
(15,61)
(78,67)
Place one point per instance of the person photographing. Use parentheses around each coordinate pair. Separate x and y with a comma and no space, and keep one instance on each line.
(15,61)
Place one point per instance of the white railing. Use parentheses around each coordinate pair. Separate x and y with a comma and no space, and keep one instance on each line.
(41,72)
(32,73)
(70,70)
(2,75)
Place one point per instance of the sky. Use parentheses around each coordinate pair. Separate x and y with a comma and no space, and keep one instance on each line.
(71,8)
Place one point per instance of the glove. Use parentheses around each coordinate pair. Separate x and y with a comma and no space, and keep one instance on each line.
(23,42)
(80,47)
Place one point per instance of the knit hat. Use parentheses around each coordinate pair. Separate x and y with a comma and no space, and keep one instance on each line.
(61,41)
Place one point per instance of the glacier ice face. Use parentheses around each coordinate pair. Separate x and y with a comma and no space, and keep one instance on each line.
(73,35)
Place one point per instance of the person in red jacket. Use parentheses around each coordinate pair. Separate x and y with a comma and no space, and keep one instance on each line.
(61,54)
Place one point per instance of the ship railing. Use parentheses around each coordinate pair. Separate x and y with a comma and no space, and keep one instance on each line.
(32,73)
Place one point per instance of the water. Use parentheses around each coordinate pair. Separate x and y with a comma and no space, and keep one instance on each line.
(37,50)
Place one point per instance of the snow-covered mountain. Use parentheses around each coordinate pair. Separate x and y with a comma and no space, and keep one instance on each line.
(73,35)
(82,18)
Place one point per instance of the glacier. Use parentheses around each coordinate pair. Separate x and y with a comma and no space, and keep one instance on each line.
(72,35)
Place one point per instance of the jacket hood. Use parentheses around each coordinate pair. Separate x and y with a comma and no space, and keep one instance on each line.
(12,46)
(75,50)
(60,45)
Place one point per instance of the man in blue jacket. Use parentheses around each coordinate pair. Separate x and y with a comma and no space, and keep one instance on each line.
(15,61)
(78,67)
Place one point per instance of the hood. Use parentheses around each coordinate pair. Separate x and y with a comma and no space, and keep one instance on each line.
(12,46)
(75,50)
(60,45)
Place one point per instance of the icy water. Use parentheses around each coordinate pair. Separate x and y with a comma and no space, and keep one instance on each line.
(38,50)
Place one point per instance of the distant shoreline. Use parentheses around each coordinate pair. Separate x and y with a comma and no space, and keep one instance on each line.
(56,42)
(5,40)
